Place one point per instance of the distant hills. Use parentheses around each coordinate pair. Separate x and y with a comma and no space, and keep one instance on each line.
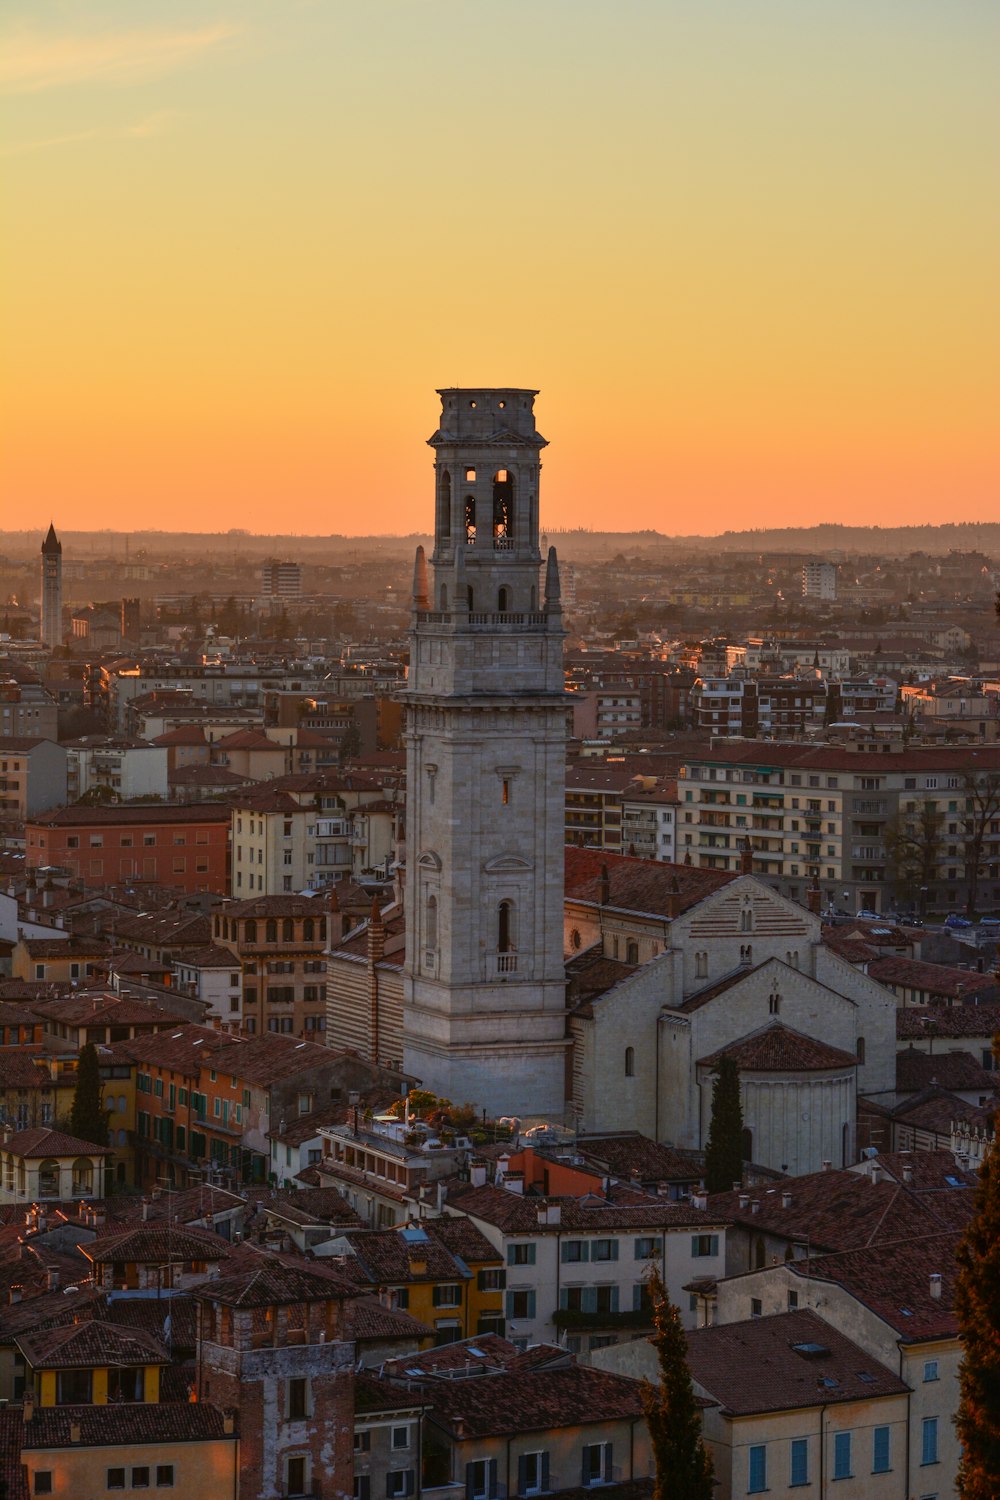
(827,538)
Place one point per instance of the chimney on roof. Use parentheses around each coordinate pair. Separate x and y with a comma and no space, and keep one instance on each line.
(477,1174)
(376,933)
(827,1166)
(813,898)
(699,1198)
(674,899)
(876,1172)
(744,1200)
(145,1209)
(935,1285)
(786,1199)
(755,1205)
(74,1432)
(605,885)
(228,1423)
(746,857)
(51,1279)
(908,1174)
(28,1408)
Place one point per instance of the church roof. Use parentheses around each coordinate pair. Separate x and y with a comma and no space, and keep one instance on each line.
(51,542)
(638,885)
(776,1048)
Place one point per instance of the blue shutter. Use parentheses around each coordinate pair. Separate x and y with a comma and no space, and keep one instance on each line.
(614,1249)
(714,1244)
(510,1304)
(492,1488)
(800,1461)
(470,1481)
(564,1297)
(842,1455)
(929,1436)
(757,1477)
(637,1291)
(614,1299)
(510,1255)
(609,1458)
(522,1474)
(880,1450)
(590,1299)
(545,1471)
(531,1304)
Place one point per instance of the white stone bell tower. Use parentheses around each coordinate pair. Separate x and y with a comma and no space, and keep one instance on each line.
(484,989)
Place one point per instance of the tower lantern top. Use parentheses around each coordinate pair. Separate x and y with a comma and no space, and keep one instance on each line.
(487,415)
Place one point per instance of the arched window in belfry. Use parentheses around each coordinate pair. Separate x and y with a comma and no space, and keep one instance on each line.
(503,601)
(470,518)
(503,506)
(444,523)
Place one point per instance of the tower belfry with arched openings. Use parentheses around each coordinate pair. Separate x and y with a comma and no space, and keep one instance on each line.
(484,988)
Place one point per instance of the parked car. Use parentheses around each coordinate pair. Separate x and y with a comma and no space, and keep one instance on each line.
(955,921)
(993,922)
(868,916)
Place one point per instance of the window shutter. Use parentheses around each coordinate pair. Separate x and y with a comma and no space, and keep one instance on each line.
(411,1482)
(436,1297)
(614,1249)
(590,1299)
(470,1481)
(694,1245)
(564,1297)
(503,1280)
(522,1474)
(545,1471)
(481,1281)
(531,1304)
(614,1299)
(585,1467)
(510,1304)
(609,1453)
(714,1244)
(637,1297)
(492,1485)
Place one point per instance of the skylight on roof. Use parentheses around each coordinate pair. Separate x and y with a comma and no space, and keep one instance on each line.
(867,1377)
(953,1181)
(828,1382)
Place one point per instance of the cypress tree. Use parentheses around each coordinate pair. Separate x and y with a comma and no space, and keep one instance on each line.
(88,1118)
(683,1464)
(724,1151)
(977,1304)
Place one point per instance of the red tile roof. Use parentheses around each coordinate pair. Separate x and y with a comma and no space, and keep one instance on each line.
(125,1427)
(638,885)
(89,1344)
(513,1214)
(893,1280)
(755,1366)
(155,1244)
(957,1070)
(269,1281)
(41,1141)
(947,1020)
(934,979)
(776,1048)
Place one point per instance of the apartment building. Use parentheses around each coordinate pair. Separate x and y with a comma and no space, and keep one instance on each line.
(172,844)
(308,831)
(26,707)
(127,768)
(277,942)
(32,776)
(831,816)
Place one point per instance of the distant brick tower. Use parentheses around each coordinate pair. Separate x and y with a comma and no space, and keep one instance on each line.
(484,983)
(51,592)
(272,1346)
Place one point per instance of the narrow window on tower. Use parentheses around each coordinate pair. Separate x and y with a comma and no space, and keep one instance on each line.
(503,601)
(445,520)
(503,508)
(470,519)
(505,927)
(432,923)
(505,790)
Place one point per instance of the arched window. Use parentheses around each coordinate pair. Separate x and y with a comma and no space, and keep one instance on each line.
(444,522)
(470,518)
(632,953)
(746,919)
(746,953)
(774,1003)
(701,966)
(503,601)
(629,1062)
(250,931)
(308,930)
(431,923)
(322,929)
(505,927)
(288,931)
(861,1049)
(503,507)
(747,1143)
(271,931)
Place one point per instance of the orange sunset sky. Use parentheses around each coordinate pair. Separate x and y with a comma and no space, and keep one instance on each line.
(747,250)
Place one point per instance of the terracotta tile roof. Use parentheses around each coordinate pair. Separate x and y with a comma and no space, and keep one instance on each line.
(462,1238)
(82,1345)
(893,1280)
(269,1281)
(155,1244)
(487,1351)
(928,1171)
(513,1214)
(776,1048)
(182,1051)
(754,1367)
(165,928)
(853,950)
(18,1070)
(184,734)
(41,1141)
(213,776)
(317,1205)
(70,946)
(639,885)
(11,1436)
(391,1256)
(212,956)
(630,1154)
(947,1020)
(844,1210)
(956,1070)
(590,974)
(517,1401)
(49,1310)
(822,758)
(148,1315)
(97,1008)
(374,1395)
(367,1321)
(934,979)
(935,1109)
(125,1426)
(133,813)
(276,906)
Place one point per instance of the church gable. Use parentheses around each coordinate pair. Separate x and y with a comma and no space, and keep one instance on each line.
(748,906)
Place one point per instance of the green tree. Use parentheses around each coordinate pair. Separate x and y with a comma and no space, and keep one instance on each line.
(683,1464)
(977,1305)
(88,1118)
(350,743)
(982,808)
(913,848)
(724,1152)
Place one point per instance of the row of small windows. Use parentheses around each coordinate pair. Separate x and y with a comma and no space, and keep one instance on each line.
(313,929)
(798,1456)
